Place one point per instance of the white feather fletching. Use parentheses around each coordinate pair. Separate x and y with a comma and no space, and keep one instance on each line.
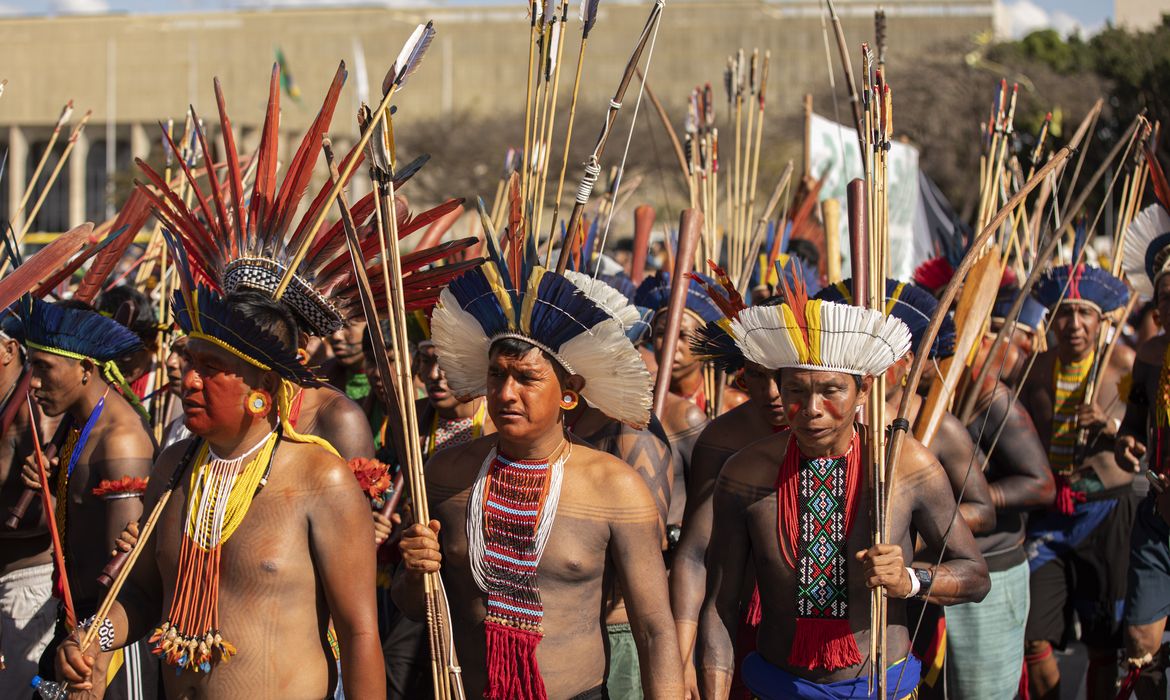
(609,299)
(1153,221)
(411,54)
(852,340)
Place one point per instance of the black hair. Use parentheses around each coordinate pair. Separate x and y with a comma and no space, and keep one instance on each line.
(509,346)
(368,338)
(857,378)
(806,251)
(144,321)
(270,316)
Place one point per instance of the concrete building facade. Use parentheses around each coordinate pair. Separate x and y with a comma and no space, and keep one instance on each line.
(135,71)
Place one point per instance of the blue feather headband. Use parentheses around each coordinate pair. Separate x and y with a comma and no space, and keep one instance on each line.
(1032,313)
(654,293)
(909,304)
(215,321)
(1082,284)
(75,333)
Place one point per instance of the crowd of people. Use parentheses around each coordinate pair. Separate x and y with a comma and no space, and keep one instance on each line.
(210,484)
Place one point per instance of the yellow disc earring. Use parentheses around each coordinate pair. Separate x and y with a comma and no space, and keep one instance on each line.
(569,400)
(258,402)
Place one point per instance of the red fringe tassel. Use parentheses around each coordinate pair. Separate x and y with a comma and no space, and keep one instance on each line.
(512,673)
(823,643)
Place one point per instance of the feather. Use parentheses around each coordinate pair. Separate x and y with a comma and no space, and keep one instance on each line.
(300,168)
(40,266)
(1158,178)
(235,180)
(130,219)
(409,57)
(199,196)
(440,227)
(1147,248)
(428,217)
(66,112)
(609,299)
(261,205)
(588,16)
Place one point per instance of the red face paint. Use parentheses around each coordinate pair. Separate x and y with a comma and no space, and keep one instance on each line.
(832,410)
(793,409)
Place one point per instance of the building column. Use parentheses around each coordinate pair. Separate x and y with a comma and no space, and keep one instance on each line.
(77,184)
(17,173)
(140,142)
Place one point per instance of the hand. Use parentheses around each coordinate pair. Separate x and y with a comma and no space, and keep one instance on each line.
(31,475)
(420,548)
(74,667)
(885,567)
(383,526)
(1091,417)
(127,539)
(690,681)
(1129,453)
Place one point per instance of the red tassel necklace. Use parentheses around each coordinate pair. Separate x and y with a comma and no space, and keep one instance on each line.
(817,500)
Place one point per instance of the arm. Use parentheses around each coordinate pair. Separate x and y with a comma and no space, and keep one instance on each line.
(962,575)
(693,423)
(340,532)
(963,461)
(1130,445)
(343,423)
(726,562)
(688,575)
(1018,453)
(634,542)
(139,604)
(126,453)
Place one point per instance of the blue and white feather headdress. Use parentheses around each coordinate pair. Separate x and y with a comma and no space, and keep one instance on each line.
(584,335)
(1147,249)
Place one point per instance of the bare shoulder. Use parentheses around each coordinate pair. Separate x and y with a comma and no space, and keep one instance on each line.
(1153,351)
(315,467)
(917,466)
(124,439)
(454,468)
(757,463)
(599,486)
(335,406)
(726,431)
(682,416)
(1122,359)
(1041,374)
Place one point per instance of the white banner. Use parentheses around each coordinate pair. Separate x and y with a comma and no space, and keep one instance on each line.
(835,157)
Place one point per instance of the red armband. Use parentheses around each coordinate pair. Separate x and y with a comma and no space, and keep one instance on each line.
(126,487)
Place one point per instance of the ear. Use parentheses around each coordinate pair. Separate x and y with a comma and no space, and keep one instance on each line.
(87,365)
(10,352)
(270,382)
(575,382)
(863,391)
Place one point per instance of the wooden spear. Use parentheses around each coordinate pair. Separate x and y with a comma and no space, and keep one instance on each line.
(73,136)
(689,229)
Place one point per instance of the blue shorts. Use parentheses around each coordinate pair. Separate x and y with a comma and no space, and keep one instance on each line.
(1147,596)
(768,682)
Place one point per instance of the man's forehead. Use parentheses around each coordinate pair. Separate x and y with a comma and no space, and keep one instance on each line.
(815,377)
(533,359)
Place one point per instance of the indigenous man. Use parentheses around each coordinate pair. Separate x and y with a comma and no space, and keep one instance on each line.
(985,640)
(27,613)
(814,568)
(1142,441)
(320,294)
(104,455)
(533,582)
(685,419)
(1077,551)
(260,589)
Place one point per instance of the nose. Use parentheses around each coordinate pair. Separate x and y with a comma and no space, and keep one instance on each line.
(191,380)
(773,391)
(507,391)
(433,371)
(814,406)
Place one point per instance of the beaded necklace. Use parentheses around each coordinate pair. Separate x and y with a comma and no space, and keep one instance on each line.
(816,502)
(446,433)
(221,492)
(1069,383)
(510,517)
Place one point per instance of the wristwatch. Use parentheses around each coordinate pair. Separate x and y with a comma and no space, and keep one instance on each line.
(925,578)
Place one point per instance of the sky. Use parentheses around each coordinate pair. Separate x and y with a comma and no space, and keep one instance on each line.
(1014,18)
